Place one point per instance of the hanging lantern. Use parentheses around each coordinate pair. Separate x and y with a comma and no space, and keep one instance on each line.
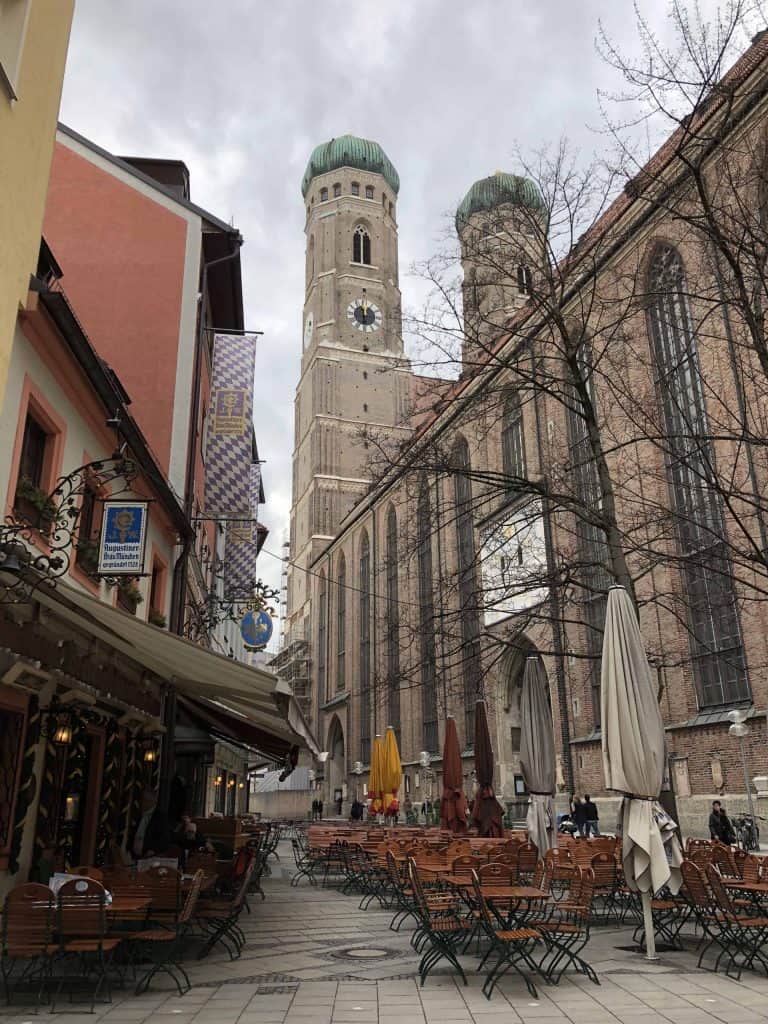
(150,755)
(63,732)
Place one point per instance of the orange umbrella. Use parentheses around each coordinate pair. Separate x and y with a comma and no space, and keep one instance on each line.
(453,804)
(392,773)
(374,778)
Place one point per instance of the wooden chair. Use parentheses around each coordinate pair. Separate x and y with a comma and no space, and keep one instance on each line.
(509,946)
(440,929)
(27,935)
(164,947)
(219,918)
(566,931)
(496,873)
(527,858)
(81,924)
(466,864)
(606,876)
(96,873)
(205,861)
(164,888)
(509,858)
(744,935)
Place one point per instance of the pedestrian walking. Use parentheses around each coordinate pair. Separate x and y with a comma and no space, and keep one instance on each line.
(578,815)
(720,826)
(592,818)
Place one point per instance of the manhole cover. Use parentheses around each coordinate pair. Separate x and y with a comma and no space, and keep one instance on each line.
(364,953)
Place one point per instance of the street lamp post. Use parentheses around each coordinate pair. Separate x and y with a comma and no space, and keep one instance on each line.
(740,729)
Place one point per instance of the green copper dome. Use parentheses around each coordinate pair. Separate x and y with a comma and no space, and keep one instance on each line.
(349,151)
(496,190)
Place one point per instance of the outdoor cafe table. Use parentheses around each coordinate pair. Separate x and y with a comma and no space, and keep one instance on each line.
(755,891)
(122,906)
(510,896)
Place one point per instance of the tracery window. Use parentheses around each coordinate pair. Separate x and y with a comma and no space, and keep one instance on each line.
(714,632)
(393,625)
(468,589)
(365,650)
(427,624)
(361,246)
(512,439)
(322,612)
(341,625)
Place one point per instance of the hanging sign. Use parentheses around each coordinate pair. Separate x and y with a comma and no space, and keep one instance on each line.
(256,629)
(123,538)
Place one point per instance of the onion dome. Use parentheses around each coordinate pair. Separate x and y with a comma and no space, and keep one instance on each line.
(350,151)
(500,189)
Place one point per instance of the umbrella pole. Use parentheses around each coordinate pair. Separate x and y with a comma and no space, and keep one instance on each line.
(650,938)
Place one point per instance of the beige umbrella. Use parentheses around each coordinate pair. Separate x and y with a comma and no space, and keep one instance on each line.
(537,755)
(633,758)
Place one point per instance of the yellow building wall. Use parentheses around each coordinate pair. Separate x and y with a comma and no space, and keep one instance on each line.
(27,135)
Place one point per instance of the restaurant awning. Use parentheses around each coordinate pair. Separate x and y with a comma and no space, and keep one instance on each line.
(239,697)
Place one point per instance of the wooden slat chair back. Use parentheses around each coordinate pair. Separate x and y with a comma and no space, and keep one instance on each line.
(722,859)
(27,933)
(508,947)
(81,910)
(702,855)
(466,864)
(527,858)
(164,887)
(163,946)
(750,866)
(458,848)
(496,872)
(511,859)
(542,876)
(202,860)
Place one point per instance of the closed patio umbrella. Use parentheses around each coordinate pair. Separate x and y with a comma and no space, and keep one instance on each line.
(634,756)
(453,803)
(374,778)
(537,755)
(487,812)
(392,773)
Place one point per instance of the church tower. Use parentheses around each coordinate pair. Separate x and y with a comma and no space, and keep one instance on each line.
(501,223)
(353,374)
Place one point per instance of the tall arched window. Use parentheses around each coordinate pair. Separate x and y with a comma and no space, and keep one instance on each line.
(593,573)
(341,625)
(512,439)
(714,632)
(311,258)
(336,190)
(355,188)
(365,650)
(393,625)
(322,611)
(524,280)
(427,624)
(361,246)
(468,590)
(369,191)
(323,195)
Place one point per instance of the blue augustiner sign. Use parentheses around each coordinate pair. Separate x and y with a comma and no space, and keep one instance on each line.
(256,629)
(123,538)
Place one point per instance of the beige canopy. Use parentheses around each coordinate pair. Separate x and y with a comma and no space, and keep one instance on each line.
(537,755)
(634,755)
(228,686)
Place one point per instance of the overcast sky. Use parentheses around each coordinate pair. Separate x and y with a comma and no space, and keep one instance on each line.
(242,90)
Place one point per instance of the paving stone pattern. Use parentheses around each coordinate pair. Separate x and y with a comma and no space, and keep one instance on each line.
(314,958)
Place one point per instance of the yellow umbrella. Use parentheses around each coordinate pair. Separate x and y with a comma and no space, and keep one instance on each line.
(374,777)
(392,773)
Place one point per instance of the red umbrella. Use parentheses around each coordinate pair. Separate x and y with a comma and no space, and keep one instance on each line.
(453,805)
(486,811)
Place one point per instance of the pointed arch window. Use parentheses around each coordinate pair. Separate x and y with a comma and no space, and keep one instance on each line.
(341,625)
(714,631)
(468,589)
(322,612)
(365,650)
(393,625)
(361,246)
(512,439)
(427,624)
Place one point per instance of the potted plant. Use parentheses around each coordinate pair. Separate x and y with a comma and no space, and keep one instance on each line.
(87,557)
(34,505)
(129,594)
(156,618)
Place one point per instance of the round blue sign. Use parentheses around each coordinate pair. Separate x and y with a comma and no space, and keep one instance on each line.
(256,628)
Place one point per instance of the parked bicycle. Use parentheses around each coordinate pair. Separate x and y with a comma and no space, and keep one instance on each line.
(747,832)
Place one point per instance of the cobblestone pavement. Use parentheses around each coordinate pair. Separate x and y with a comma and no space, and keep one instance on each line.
(314,958)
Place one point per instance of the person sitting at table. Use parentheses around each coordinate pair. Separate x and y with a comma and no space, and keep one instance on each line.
(152,836)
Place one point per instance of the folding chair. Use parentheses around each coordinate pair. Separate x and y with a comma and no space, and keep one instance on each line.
(82,931)
(566,931)
(164,947)
(509,945)
(744,935)
(219,919)
(441,928)
(28,913)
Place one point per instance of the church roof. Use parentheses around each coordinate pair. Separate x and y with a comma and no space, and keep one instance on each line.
(350,151)
(496,190)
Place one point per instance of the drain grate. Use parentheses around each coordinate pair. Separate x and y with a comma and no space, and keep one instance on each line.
(364,953)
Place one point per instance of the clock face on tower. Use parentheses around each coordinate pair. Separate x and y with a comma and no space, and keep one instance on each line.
(364,315)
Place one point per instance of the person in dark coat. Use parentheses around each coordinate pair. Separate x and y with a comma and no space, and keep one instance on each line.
(578,815)
(592,818)
(152,836)
(720,826)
